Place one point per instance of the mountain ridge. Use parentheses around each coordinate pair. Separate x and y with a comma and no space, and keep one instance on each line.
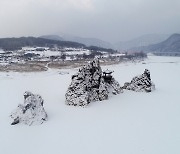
(172,44)
(17,43)
(140,41)
(86,41)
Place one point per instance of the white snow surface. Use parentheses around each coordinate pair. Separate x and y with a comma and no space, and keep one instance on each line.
(128,123)
(1,51)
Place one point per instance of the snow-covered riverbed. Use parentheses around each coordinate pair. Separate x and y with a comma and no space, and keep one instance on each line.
(128,123)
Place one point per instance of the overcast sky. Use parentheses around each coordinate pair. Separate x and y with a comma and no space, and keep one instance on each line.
(110,20)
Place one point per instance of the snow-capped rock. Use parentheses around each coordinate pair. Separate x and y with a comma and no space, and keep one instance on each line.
(31,112)
(141,83)
(111,83)
(88,84)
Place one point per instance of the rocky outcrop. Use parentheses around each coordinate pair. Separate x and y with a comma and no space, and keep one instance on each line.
(112,85)
(141,83)
(31,112)
(88,84)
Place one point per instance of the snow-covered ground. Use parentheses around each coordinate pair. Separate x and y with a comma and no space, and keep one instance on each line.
(1,51)
(128,123)
(47,52)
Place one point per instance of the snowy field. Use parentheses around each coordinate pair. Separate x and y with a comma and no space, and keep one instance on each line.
(128,123)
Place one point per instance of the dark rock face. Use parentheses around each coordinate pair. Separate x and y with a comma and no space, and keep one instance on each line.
(141,83)
(31,112)
(89,85)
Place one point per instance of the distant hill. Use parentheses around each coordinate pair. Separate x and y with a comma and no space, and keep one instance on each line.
(88,41)
(52,37)
(144,40)
(170,45)
(12,44)
(18,43)
(85,41)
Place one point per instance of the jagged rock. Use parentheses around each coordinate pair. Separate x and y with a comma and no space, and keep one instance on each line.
(141,83)
(31,112)
(88,85)
(111,83)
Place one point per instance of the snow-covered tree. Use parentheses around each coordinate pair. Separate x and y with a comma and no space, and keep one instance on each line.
(141,83)
(31,112)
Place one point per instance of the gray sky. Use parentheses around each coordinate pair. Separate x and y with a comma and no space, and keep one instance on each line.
(110,20)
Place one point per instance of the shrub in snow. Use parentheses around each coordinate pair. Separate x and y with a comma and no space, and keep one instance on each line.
(140,83)
(31,112)
(88,84)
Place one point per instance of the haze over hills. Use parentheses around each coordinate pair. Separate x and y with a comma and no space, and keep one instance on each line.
(143,43)
(171,46)
(144,40)
(83,40)
(53,37)
(125,45)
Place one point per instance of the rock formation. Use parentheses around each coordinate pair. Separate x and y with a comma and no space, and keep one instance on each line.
(88,84)
(112,85)
(31,112)
(141,83)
